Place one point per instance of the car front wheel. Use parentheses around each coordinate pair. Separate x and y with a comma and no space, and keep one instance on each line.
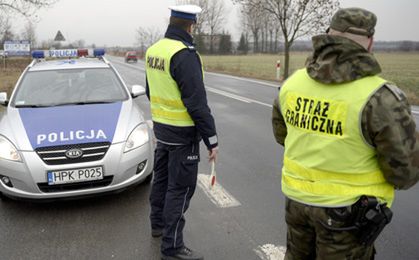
(149,178)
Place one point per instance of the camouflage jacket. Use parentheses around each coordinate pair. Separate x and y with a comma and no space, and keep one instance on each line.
(387,123)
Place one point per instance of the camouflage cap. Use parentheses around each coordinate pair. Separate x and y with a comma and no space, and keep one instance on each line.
(354,20)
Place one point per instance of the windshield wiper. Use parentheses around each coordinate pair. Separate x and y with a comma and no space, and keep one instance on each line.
(85,103)
(31,106)
(66,104)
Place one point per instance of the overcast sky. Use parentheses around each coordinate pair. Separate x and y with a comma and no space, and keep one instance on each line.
(113,23)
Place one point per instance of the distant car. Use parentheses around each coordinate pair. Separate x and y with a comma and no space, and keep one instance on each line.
(72,129)
(131,56)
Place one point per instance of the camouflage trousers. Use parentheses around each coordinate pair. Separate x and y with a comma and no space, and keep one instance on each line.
(307,238)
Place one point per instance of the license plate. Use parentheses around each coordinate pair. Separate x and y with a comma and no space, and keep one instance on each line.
(75,175)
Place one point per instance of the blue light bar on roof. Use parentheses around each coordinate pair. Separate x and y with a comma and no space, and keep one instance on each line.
(38,54)
(68,53)
(99,52)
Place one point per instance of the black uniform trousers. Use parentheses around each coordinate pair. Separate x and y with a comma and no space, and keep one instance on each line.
(174,183)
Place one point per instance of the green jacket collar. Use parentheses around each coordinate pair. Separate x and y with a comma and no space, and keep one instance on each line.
(337,60)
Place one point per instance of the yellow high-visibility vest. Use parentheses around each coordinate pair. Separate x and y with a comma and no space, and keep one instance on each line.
(327,161)
(165,97)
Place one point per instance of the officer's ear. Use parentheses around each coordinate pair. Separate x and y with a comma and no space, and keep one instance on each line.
(370,43)
(190,28)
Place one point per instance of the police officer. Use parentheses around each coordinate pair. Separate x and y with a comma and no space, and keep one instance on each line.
(346,133)
(181,118)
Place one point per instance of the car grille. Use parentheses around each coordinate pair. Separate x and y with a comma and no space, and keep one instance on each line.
(45,187)
(55,155)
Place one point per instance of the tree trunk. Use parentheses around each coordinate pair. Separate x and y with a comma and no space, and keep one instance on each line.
(211,44)
(271,47)
(263,41)
(276,42)
(287,59)
(266,41)
(255,42)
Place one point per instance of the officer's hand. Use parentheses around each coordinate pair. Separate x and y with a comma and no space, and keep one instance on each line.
(213,153)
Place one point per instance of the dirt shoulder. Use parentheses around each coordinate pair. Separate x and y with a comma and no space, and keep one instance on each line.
(10,72)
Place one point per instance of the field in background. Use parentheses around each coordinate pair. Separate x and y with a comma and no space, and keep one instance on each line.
(10,74)
(401,68)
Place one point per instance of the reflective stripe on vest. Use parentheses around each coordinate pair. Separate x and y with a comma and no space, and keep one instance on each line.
(165,98)
(327,162)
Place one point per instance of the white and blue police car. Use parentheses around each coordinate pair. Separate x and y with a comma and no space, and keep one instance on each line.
(72,128)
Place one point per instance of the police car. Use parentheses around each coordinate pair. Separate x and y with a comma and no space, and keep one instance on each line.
(71,128)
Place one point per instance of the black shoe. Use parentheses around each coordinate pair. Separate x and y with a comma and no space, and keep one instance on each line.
(184,254)
(156,232)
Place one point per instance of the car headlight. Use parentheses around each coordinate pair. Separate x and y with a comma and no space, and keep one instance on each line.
(137,138)
(8,151)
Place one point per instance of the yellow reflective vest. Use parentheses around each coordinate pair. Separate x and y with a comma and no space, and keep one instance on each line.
(327,162)
(165,97)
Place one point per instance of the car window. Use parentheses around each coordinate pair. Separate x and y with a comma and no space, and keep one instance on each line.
(75,86)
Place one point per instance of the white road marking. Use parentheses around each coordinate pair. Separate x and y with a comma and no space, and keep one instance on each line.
(271,252)
(128,65)
(217,74)
(217,91)
(245,79)
(214,74)
(237,97)
(228,94)
(218,195)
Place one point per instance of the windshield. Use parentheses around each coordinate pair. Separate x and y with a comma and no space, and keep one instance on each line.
(67,87)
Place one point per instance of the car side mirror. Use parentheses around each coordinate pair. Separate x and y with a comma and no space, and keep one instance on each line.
(137,91)
(3,99)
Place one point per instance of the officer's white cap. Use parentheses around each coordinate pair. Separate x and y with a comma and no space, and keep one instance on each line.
(187,12)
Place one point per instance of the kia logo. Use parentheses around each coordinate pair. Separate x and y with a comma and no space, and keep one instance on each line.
(74,153)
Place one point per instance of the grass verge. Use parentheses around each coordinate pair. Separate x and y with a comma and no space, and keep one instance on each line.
(10,72)
(400,68)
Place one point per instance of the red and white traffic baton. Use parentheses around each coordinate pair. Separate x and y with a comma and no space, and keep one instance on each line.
(213,175)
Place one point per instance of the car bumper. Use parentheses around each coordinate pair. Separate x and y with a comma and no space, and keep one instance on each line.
(120,167)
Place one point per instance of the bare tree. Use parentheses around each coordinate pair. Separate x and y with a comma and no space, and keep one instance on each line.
(46,44)
(6,32)
(3,23)
(216,17)
(145,37)
(29,33)
(244,39)
(200,26)
(23,7)
(266,27)
(251,17)
(297,18)
(211,18)
(79,43)
(277,30)
(272,27)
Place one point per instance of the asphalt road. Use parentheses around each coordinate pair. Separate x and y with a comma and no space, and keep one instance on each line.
(246,220)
